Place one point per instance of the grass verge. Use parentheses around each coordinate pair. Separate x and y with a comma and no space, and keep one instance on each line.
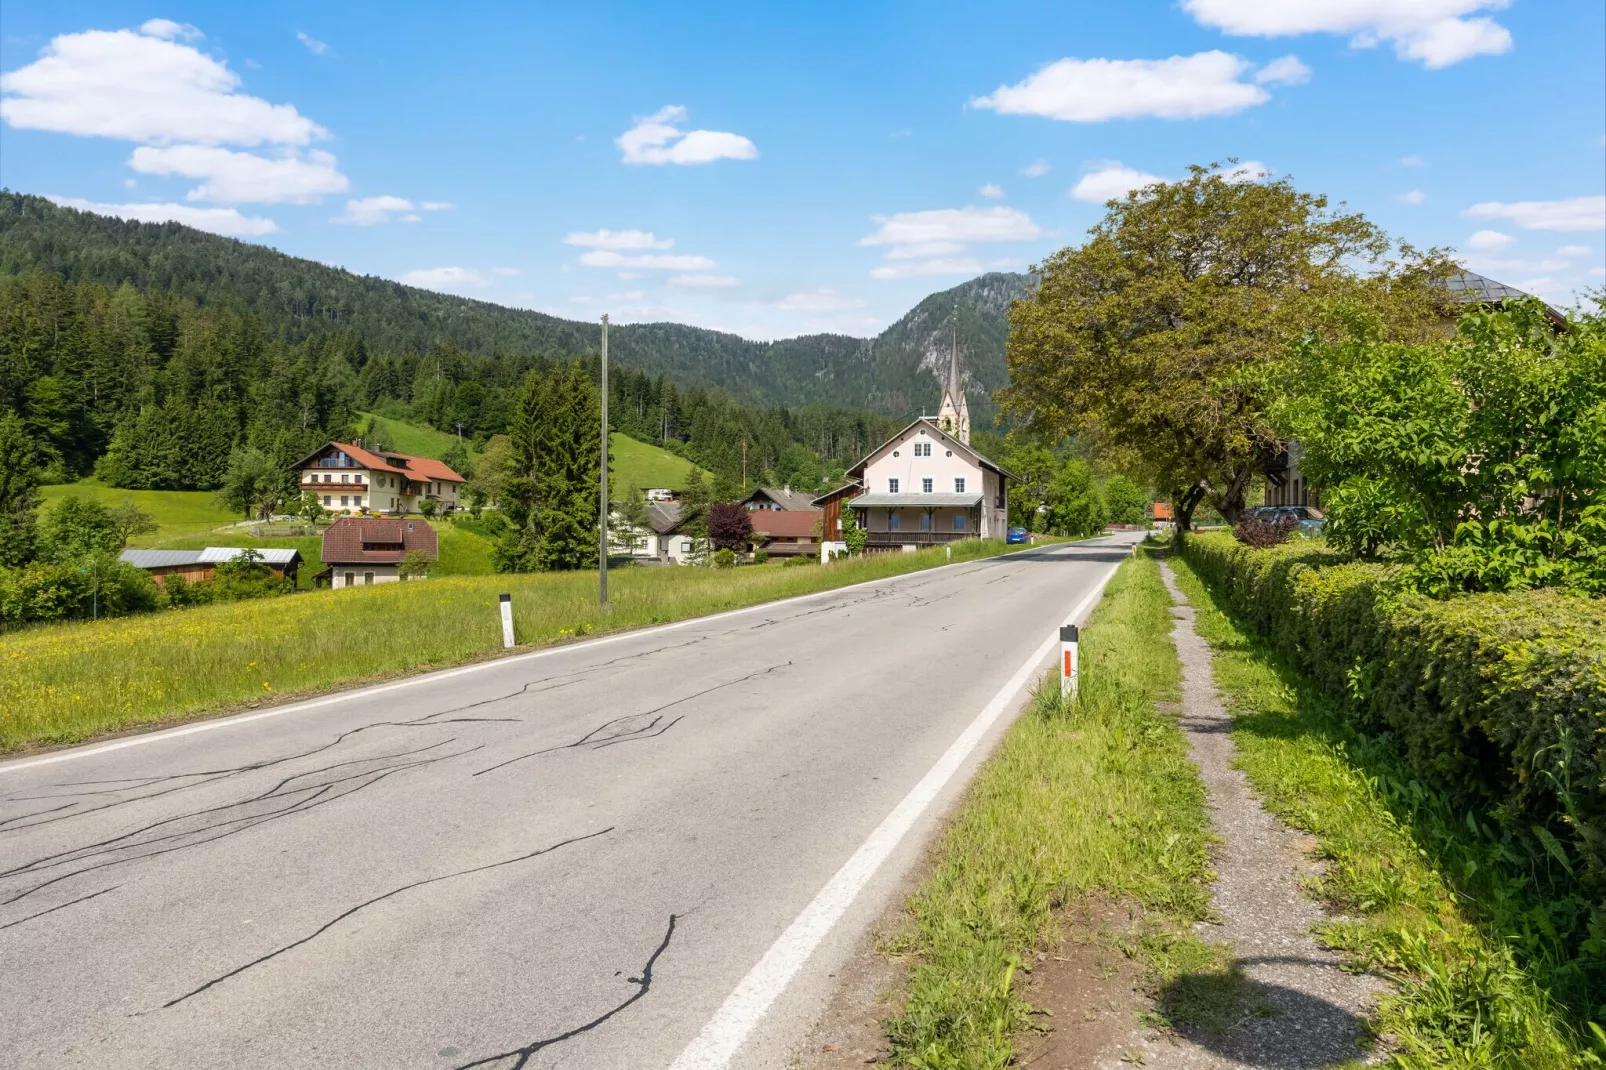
(1436,903)
(65,683)
(1096,799)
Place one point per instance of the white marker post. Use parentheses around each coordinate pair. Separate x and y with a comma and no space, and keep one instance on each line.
(507,622)
(1068,640)
(948,549)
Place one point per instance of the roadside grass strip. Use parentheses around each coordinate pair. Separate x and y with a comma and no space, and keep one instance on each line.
(1091,800)
(1428,896)
(69,682)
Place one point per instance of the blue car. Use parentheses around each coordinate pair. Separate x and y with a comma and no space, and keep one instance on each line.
(1017,535)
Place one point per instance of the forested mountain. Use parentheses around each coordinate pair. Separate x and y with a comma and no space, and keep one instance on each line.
(295,300)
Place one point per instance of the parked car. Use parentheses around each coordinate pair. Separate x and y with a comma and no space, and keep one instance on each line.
(1017,535)
(1310,519)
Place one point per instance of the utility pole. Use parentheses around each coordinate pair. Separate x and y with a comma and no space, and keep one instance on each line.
(602,509)
(744,464)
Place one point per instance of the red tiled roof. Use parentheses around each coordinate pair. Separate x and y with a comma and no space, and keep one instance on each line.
(785,523)
(418,468)
(344,541)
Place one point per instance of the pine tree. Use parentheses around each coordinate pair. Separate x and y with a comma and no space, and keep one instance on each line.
(551,494)
(19,493)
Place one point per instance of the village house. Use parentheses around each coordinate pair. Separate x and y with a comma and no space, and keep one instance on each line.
(925,485)
(350,479)
(363,550)
(784,499)
(198,565)
(787,532)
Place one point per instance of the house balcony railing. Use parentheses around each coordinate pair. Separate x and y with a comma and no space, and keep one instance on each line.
(314,481)
(916,537)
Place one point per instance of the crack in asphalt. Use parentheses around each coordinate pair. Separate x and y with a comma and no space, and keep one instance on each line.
(61,906)
(338,918)
(313,796)
(643,982)
(646,730)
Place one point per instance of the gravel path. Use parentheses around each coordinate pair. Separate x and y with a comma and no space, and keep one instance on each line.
(1264,915)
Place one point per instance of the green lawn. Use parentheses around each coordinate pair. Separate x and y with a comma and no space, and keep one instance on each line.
(634,463)
(180,513)
(68,682)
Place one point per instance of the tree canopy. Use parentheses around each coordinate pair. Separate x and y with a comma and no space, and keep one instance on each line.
(1141,341)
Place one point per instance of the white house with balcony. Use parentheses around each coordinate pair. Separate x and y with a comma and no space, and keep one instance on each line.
(925,487)
(349,479)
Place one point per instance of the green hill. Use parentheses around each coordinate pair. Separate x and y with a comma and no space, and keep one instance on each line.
(895,374)
(180,513)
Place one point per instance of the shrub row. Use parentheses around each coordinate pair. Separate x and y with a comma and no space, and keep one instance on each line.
(1499,700)
(48,591)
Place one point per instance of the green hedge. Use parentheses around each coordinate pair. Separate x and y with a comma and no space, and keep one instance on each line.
(1498,699)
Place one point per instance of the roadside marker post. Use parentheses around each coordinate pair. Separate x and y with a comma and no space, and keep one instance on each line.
(1069,637)
(507,622)
(948,548)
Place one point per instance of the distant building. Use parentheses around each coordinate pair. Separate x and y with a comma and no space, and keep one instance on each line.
(362,550)
(924,487)
(351,479)
(662,494)
(788,532)
(198,565)
(784,499)
(668,543)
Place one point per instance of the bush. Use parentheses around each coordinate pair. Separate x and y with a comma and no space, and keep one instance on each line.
(760,557)
(47,591)
(725,558)
(801,559)
(1499,700)
(1262,534)
(488,525)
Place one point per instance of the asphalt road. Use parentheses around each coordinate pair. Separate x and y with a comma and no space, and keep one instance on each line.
(566,859)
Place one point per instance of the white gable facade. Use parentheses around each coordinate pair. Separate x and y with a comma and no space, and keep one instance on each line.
(923,487)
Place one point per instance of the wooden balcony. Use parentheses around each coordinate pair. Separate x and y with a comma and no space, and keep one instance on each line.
(916,538)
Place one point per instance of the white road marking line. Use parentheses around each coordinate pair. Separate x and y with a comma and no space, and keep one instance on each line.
(428,678)
(723,1035)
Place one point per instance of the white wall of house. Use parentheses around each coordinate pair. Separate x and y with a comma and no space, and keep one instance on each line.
(918,455)
(363,575)
(350,490)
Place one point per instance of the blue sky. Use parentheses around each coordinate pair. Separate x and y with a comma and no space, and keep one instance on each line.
(776,172)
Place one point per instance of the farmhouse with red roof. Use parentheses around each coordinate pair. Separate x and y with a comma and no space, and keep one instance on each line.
(363,550)
(350,479)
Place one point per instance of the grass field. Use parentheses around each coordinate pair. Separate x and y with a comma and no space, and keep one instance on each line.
(65,683)
(179,512)
(1428,895)
(635,464)
(1092,799)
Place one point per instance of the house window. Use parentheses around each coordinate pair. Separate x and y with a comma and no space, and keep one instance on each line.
(894,520)
(925,486)
(344,478)
(343,499)
(959,521)
(368,577)
(351,579)
(326,499)
(922,449)
(959,486)
(357,501)
(925,521)
(327,477)
(892,486)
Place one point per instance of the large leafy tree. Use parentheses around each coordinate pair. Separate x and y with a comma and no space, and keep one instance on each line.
(19,493)
(552,492)
(1139,341)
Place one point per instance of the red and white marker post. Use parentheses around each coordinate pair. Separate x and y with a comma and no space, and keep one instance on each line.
(1068,640)
(507,622)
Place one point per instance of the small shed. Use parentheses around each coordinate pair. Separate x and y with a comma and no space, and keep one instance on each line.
(198,565)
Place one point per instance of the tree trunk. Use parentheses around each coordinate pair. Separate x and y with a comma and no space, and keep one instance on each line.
(1186,503)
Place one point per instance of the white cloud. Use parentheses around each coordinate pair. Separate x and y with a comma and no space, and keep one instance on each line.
(1596,272)
(822,300)
(607,258)
(1097,90)
(1109,180)
(226,221)
(704,282)
(1412,161)
(931,243)
(370,211)
(143,87)
(436,206)
(992,190)
(1435,32)
(168,30)
(943,266)
(654,141)
(446,278)
(1569,213)
(1573,250)
(242,177)
(315,46)
(1037,169)
(1490,241)
(617,239)
(1411,196)
(1285,70)
(966,224)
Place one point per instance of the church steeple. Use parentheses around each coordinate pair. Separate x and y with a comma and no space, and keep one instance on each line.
(953,416)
